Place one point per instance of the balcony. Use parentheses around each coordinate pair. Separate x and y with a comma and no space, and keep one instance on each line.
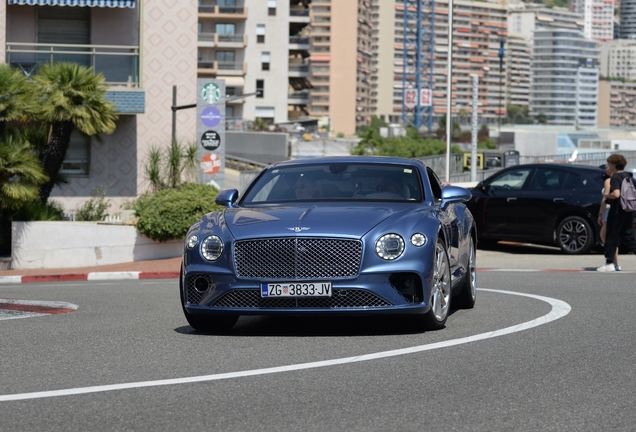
(299,43)
(298,70)
(214,68)
(299,15)
(298,98)
(216,40)
(119,64)
(228,13)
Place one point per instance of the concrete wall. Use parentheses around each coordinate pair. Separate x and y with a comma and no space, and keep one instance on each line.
(530,143)
(258,146)
(83,244)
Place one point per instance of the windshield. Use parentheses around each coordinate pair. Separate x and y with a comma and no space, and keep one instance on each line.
(336,182)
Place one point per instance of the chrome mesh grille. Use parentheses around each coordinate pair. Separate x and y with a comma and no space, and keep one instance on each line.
(297,258)
(341,299)
(193,295)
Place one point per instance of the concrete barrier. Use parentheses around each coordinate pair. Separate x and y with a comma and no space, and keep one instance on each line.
(82,244)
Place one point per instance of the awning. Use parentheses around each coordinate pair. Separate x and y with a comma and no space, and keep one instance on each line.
(89,3)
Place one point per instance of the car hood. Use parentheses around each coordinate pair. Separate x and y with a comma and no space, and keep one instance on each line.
(347,221)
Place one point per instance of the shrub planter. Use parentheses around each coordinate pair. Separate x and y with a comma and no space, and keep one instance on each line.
(83,244)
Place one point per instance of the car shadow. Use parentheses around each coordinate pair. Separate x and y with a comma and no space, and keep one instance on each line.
(315,326)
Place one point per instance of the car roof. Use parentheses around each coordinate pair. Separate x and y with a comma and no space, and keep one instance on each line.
(350,159)
(560,165)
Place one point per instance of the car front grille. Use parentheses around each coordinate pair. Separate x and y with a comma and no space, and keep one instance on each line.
(341,299)
(194,295)
(297,258)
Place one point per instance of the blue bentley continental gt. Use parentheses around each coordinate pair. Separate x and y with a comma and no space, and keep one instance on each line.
(356,235)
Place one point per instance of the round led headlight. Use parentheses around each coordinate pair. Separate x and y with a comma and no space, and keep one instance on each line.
(192,241)
(389,246)
(418,239)
(212,247)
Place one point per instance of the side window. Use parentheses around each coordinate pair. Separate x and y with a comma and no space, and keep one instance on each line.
(548,179)
(511,180)
(436,185)
(571,181)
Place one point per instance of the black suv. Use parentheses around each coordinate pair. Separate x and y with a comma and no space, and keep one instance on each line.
(552,204)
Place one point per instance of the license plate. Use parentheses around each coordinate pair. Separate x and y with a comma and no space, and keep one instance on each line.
(300,289)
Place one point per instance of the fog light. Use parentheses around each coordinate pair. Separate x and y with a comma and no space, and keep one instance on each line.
(201,284)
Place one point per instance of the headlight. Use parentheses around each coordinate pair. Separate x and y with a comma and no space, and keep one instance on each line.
(418,239)
(389,246)
(192,241)
(212,247)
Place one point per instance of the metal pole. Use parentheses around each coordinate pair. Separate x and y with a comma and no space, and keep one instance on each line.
(449,88)
(174,113)
(473,155)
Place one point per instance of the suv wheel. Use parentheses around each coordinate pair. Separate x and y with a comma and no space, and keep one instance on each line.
(575,235)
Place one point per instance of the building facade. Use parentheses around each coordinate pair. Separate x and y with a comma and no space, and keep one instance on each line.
(618,59)
(628,19)
(518,77)
(341,63)
(143,48)
(617,104)
(564,78)
(598,16)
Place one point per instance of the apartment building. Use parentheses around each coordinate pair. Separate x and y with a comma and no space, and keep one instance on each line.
(628,19)
(143,48)
(524,19)
(518,60)
(617,104)
(598,18)
(341,69)
(564,77)
(478,30)
(618,59)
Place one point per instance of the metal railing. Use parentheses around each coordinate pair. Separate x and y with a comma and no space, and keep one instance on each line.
(119,64)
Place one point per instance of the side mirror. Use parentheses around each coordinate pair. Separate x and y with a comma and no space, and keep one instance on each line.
(227,198)
(454,194)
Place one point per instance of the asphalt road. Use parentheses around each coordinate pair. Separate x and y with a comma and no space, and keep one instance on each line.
(566,369)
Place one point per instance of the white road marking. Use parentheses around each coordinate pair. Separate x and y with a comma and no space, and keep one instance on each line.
(559,310)
(94,276)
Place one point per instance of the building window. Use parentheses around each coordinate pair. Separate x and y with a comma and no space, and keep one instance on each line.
(260,33)
(260,88)
(265,60)
(77,160)
(59,25)
(229,112)
(225,28)
(271,7)
(265,112)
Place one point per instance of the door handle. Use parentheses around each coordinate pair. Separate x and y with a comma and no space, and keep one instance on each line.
(511,199)
(557,199)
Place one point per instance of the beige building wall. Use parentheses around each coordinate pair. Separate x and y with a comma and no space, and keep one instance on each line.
(3,31)
(384,48)
(342,91)
(604,103)
(168,57)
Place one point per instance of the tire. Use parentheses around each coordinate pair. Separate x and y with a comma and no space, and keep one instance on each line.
(575,235)
(435,318)
(205,323)
(468,294)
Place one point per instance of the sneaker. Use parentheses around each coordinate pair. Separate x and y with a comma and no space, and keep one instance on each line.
(617,267)
(606,268)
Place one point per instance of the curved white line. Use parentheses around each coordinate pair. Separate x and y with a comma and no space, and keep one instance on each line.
(559,310)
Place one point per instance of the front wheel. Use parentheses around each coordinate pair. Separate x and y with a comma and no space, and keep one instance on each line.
(435,318)
(467,296)
(575,235)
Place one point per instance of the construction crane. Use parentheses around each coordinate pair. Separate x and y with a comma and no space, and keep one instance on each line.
(417,64)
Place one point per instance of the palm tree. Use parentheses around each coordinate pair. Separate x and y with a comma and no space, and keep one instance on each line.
(20,174)
(14,95)
(71,96)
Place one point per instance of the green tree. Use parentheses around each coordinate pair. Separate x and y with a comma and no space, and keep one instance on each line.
(15,92)
(20,174)
(70,96)
(170,167)
(542,118)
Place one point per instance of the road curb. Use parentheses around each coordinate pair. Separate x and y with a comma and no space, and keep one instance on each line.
(93,276)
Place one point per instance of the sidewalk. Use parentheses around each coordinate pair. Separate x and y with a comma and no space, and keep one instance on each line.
(505,257)
(152,269)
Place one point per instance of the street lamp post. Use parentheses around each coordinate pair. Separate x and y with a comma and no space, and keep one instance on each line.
(501,57)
